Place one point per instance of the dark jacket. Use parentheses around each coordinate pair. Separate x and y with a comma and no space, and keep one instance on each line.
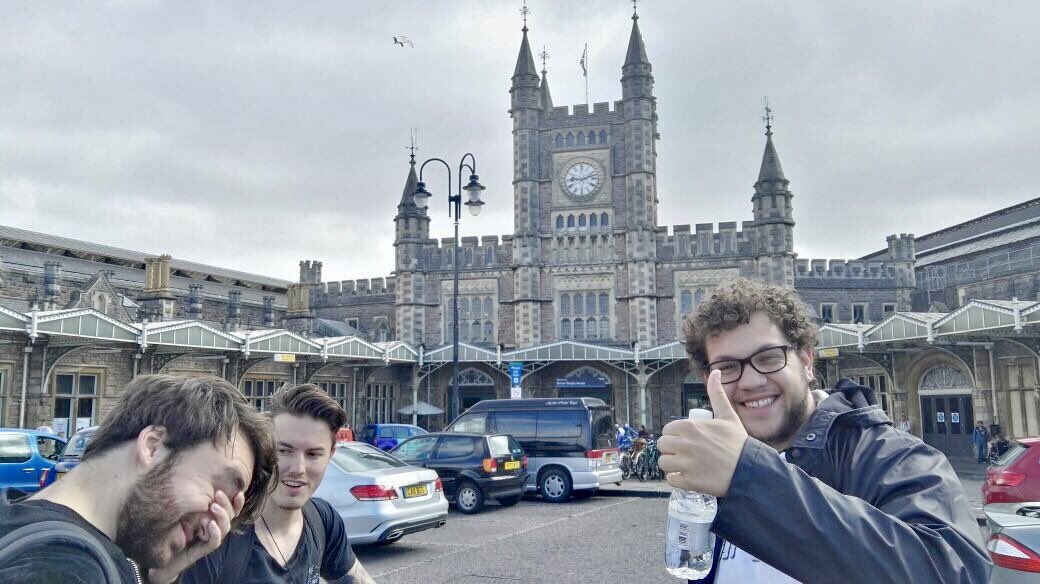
(860,502)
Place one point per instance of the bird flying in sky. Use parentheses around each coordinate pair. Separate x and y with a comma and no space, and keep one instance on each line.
(403,40)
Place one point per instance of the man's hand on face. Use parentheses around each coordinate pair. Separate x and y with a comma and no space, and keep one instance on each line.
(222,510)
(701,455)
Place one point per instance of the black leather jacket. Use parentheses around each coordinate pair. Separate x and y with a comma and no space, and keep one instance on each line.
(859,502)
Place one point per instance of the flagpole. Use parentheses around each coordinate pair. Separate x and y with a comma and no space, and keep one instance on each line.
(585,73)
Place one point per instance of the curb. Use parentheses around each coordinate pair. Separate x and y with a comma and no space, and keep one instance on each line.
(640,493)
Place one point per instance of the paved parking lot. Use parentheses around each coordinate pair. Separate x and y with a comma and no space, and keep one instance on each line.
(601,539)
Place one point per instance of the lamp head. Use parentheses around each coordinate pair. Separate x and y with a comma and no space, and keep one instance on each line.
(421,196)
(473,189)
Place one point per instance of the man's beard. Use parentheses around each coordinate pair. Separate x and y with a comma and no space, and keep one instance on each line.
(145,521)
(794,419)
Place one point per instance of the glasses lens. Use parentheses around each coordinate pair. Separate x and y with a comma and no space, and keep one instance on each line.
(730,370)
(770,360)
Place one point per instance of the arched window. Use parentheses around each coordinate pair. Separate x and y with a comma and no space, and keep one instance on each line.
(685,302)
(579,305)
(565,304)
(590,303)
(591,324)
(604,327)
(489,332)
(579,328)
(488,307)
(581,139)
(604,220)
(570,220)
(602,136)
(471,377)
(565,328)
(559,140)
(474,334)
(559,221)
(593,220)
(463,308)
(489,255)
(570,139)
(698,297)
(581,220)
(592,137)
(603,300)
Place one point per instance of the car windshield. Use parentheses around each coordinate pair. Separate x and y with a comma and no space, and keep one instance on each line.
(1016,450)
(360,457)
(78,444)
(504,446)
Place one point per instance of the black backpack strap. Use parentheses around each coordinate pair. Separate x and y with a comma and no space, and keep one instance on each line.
(48,533)
(236,555)
(312,517)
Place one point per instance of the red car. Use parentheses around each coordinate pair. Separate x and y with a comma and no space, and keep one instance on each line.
(1015,477)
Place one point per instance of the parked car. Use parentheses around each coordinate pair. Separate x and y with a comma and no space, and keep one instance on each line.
(571,443)
(386,436)
(25,455)
(1015,477)
(1014,542)
(381,498)
(473,467)
(69,457)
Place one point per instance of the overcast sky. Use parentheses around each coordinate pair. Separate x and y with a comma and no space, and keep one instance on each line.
(254,134)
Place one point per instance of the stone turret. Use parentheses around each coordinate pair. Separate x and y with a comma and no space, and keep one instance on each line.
(774,217)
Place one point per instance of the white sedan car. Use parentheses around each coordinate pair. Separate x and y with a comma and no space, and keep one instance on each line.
(379,497)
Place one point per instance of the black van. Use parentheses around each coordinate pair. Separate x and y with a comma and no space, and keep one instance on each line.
(571,443)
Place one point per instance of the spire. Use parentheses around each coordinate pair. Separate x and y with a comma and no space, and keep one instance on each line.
(407,202)
(771,169)
(547,103)
(525,60)
(636,49)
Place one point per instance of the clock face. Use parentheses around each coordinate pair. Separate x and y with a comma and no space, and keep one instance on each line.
(582,180)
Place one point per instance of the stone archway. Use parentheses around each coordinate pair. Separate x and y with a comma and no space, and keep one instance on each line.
(475,385)
(947,410)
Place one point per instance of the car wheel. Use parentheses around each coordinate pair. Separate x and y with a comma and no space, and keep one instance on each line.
(555,486)
(469,498)
(509,501)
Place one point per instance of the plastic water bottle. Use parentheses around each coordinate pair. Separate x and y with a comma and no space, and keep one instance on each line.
(689,543)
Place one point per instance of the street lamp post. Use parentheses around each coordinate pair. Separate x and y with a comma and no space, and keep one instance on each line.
(474,204)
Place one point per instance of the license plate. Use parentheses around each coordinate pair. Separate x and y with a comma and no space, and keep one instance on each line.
(58,476)
(608,458)
(512,464)
(415,491)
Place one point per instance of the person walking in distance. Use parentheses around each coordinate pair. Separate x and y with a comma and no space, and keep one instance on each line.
(810,490)
(980,439)
(298,539)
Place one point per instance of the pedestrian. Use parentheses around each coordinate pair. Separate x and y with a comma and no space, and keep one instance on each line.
(642,432)
(980,439)
(904,424)
(298,537)
(172,468)
(810,489)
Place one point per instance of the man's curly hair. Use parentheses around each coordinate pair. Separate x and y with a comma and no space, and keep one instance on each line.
(731,304)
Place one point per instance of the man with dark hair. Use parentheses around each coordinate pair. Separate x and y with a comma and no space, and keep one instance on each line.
(297,538)
(160,486)
(811,487)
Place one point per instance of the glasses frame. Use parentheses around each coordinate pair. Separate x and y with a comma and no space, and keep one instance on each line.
(748,361)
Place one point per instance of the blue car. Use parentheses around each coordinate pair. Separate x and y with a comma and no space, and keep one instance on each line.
(386,436)
(25,455)
(70,457)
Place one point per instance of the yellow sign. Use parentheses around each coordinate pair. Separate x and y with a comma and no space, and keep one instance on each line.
(284,358)
(828,353)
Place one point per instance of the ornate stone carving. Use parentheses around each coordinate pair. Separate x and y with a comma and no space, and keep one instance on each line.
(945,377)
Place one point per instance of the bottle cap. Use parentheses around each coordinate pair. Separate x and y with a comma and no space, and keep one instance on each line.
(701,414)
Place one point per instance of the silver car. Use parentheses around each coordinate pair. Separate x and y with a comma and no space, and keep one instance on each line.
(379,497)
(1014,542)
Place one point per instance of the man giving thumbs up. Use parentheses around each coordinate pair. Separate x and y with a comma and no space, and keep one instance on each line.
(810,491)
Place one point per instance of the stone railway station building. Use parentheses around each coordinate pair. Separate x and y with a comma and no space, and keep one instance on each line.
(588,292)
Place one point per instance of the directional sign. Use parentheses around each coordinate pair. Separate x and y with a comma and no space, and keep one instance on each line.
(828,353)
(516,372)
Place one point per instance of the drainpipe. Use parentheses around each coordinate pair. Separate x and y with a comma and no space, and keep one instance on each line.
(628,401)
(993,385)
(26,352)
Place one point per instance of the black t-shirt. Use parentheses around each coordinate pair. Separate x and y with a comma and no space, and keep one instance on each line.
(306,564)
(57,563)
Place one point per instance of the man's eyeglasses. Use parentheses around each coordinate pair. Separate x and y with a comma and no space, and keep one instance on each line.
(768,360)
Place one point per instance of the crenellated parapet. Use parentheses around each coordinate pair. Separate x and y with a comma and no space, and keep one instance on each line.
(474,252)
(705,240)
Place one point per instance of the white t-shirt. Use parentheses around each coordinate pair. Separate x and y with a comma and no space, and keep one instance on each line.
(736,566)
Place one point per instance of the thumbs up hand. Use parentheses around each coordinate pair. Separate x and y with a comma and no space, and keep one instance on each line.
(701,455)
